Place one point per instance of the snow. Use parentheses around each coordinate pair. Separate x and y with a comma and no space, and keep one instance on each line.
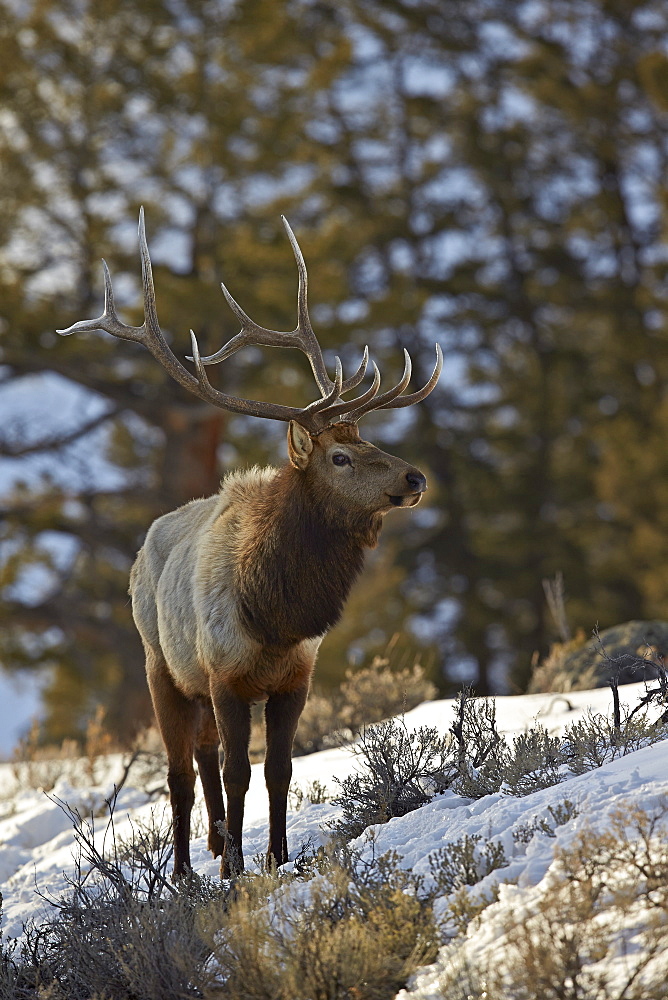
(37,844)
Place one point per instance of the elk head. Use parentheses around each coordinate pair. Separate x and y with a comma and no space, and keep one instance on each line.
(323,436)
(343,466)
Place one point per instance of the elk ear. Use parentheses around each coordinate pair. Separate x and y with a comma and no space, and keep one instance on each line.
(300,445)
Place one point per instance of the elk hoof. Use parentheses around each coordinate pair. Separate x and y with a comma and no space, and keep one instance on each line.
(216,843)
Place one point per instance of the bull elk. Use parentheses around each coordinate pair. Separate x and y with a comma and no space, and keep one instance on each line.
(233,594)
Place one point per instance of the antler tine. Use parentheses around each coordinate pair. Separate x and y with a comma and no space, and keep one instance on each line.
(250,335)
(303,321)
(392,397)
(354,380)
(346,405)
(244,339)
(323,404)
(314,416)
(304,331)
(255,408)
(150,335)
(376,402)
(108,322)
(416,397)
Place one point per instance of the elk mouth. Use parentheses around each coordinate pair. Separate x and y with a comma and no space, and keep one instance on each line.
(408,500)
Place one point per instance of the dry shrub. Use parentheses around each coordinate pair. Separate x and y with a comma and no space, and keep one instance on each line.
(40,766)
(379,692)
(343,939)
(461,864)
(623,653)
(600,929)
(399,771)
(553,673)
(461,981)
(123,931)
(98,742)
(456,867)
(465,907)
(339,929)
(480,750)
(313,793)
(319,723)
(465,862)
(561,813)
(118,949)
(370,695)
(533,761)
(147,760)
(597,739)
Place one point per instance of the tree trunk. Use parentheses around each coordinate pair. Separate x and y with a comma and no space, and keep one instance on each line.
(190,462)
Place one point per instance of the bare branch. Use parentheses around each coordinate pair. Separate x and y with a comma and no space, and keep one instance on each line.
(10,448)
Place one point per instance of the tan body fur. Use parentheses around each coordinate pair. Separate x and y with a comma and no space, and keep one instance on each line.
(183,596)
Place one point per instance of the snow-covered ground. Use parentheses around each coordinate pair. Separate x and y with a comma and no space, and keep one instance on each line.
(36,841)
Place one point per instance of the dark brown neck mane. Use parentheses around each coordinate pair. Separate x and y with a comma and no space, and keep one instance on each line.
(305,553)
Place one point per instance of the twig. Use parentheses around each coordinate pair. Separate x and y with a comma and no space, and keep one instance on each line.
(134,757)
(555,596)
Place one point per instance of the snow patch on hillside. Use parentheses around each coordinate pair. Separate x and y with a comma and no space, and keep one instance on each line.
(37,846)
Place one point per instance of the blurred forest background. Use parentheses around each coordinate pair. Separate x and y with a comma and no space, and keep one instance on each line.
(490,174)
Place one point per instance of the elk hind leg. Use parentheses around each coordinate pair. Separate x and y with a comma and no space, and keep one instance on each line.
(206,755)
(177,718)
(282,713)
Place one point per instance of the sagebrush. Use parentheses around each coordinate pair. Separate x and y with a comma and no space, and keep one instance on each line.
(337,927)
(399,770)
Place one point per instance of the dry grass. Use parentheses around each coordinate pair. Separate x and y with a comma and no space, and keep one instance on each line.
(554,674)
(35,765)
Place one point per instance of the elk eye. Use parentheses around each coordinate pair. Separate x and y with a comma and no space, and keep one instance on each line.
(340,459)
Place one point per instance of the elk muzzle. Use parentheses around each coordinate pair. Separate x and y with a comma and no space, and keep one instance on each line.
(415,484)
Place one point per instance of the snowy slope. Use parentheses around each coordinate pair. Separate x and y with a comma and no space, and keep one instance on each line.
(36,843)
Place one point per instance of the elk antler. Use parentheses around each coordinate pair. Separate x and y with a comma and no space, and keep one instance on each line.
(313,417)
(302,337)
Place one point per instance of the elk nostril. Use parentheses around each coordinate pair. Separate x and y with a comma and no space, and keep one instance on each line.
(416,481)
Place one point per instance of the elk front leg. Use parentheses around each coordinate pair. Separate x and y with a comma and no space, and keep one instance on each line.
(233,720)
(282,713)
